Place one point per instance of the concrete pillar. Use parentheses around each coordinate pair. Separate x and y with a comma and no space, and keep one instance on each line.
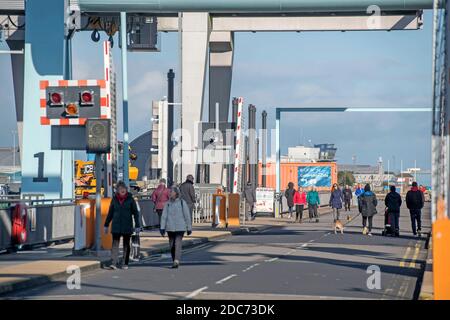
(220,73)
(195,30)
(43,170)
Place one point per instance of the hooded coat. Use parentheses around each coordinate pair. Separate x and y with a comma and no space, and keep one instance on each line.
(393,202)
(289,194)
(176,216)
(121,213)
(336,199)
(368,204)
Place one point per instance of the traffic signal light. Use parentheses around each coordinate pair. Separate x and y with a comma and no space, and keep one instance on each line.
(98,135)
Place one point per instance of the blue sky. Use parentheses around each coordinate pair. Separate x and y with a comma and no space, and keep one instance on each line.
(375,69)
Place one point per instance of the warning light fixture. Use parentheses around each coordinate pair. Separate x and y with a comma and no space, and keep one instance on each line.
(56,98)
(72,109)
(86,98)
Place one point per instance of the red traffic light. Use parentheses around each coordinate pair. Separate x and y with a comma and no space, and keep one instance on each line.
(86,97)
(56,98)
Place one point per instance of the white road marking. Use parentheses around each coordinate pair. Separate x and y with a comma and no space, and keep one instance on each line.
(271,260)
(251,267)
(226,279)
(196,292)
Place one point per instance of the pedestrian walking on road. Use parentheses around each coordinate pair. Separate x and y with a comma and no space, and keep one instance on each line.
(313,200)
(348,195)
(393,202)
(415,201)
(359,190)
(176,220)
(188,192)
(289,194)
(160,197)
(300,202)
(121,210)
(250,200)
(336,199)
(368,208)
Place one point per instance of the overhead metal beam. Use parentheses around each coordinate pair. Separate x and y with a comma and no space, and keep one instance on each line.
(249,5)
(409,20)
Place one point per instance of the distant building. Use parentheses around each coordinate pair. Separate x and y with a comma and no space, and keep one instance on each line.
(327,151)
(10,170)
(364,174)
(405,179)
(303,154)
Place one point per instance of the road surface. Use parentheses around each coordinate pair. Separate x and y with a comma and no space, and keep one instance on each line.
(296,261)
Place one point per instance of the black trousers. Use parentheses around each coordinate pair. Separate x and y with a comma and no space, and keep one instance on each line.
(299,212)
(159,212)
(175,244)
(365,222)
(347,204)
(312,208)
(115,247)
(416,220)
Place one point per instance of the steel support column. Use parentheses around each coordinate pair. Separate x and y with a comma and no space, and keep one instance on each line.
(123,42)
(43,170)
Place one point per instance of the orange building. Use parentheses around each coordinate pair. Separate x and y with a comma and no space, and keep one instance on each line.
(289,173)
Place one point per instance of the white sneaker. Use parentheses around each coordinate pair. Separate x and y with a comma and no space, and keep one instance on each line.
(124,267)
(113,267)
(369,234)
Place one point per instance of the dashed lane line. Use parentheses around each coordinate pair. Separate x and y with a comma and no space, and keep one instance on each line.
(226,279)
(405,256)
(196,292)
(271,260)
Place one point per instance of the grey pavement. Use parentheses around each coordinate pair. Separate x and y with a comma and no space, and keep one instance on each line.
(293,261)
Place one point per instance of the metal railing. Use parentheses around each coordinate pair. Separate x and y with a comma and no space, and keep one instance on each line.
(203,210)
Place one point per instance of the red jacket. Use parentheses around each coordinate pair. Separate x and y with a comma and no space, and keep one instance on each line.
(300,198)
(160,196)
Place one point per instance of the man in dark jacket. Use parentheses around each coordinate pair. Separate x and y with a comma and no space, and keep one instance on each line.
(188,192)
(393,202)
(250,199)
(348,195)
(415,201)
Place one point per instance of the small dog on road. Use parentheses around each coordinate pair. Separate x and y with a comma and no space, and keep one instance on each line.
(338,226)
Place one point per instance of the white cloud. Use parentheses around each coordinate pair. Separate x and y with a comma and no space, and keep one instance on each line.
(152,83)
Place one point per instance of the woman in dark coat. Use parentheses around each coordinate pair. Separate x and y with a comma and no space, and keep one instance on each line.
(336,199)
(121,210)
(289,194)
(368,208)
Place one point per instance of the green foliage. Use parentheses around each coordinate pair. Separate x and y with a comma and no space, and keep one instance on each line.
(346,177)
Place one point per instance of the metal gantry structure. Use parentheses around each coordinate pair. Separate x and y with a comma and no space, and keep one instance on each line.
(47,55)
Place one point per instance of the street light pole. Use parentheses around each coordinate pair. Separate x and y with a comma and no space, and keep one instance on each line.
(123,41)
